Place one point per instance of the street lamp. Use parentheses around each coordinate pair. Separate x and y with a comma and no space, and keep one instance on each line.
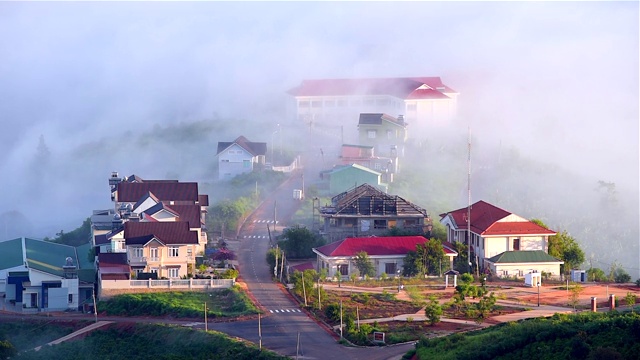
(398,272)
(339,275)
(538,293)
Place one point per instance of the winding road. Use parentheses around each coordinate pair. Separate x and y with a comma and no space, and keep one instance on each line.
(284,321)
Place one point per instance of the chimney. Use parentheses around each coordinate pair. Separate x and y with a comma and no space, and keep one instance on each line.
(401,119)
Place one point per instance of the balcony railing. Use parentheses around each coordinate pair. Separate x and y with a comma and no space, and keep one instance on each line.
(138,260)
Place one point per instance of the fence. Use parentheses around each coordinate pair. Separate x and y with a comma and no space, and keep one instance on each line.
(169,284)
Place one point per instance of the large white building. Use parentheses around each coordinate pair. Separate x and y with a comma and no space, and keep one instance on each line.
(424,101)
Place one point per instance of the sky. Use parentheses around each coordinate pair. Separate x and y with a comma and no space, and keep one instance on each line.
(557,80)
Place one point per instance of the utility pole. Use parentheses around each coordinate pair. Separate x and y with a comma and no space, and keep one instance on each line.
(340,318)
(206,327)
(304,290)
(95,307)
(319,300)
(282,267)
(469,207)
(259,333)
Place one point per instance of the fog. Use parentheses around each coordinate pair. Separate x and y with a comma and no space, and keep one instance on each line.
(149,88)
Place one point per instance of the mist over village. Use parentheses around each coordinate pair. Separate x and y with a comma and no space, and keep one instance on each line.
(529,111)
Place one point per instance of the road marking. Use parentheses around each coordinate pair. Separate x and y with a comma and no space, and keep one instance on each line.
(283,311)
(193,324)
(263,221)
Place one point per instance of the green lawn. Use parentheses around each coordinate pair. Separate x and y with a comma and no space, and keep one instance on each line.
(181,304)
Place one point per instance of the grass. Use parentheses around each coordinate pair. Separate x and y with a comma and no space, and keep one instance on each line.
(181,304)
(563,336)
(152,341)
(24,335)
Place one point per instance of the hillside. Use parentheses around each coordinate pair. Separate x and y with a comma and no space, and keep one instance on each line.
(583,336)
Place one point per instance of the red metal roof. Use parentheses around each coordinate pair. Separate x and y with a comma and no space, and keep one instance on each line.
(398,87)
(164,191)
(169,233)
(485,221)
(392,245)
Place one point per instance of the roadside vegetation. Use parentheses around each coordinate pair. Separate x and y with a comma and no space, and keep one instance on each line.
(611,335)
(181,304)
(21,335)
(151,341)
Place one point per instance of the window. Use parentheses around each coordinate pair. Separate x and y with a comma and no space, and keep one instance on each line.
(154,270)
(304,104)
(371,134)
(246,164)
(377,166)
(410,222)
(379,224)
(389,134)
(225,160)
(189,252)
(173,251)
(390,268)
(153,254)
(411,107)
(516,244)
(138,252)
(70,298)
(343,269)
(316,104)
(174,272)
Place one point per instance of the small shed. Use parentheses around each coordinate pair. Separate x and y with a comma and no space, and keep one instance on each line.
(578,276)
(533,279)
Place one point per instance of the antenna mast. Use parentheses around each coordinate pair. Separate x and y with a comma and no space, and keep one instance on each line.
(469,206)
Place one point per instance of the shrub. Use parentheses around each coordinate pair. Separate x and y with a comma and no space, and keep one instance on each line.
(433,311)
(621,276)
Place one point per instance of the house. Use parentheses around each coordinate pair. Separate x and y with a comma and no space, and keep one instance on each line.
(37,275)
(520,263)
(152,200)
(364,155)
(239,157)
(156,226)
(367,211)
(425,101)
(384,132)
(386,253)
(495,231)
(345,177)
(167,249)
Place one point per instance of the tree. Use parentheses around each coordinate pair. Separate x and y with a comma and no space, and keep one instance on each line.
(427,258)
(621,276)
(433,311)
(574,295)
(364,264)
(630,299)
(596,274)
(298,242)
(79,236)
(564,247)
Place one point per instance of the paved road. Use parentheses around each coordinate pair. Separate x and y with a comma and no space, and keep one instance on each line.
(284,321)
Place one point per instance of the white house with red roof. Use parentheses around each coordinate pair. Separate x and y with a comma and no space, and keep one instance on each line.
(494,232)
(424,101)
(386,253)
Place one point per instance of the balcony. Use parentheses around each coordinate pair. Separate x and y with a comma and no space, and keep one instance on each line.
(138,261)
